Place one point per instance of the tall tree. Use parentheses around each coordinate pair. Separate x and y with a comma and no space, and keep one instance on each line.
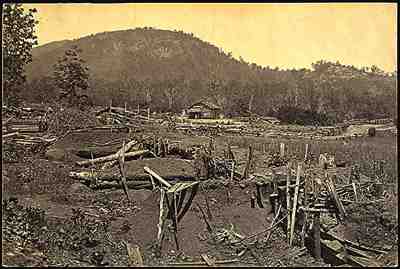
(18,39)
(71,76)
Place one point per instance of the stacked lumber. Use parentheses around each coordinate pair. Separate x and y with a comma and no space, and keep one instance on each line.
(24,120)
(21,139)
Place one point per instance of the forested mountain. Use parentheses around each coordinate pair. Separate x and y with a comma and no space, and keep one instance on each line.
(168,70)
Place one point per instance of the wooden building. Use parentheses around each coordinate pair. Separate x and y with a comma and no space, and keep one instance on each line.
(204,110)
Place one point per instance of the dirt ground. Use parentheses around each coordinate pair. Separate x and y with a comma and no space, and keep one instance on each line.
(50,219)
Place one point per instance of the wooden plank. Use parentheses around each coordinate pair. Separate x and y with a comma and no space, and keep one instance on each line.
(134,257)
(9,135)
(282,150)
(160,219)
(356,245)
(209,228)
(306,153)
(317,236)
(208,260)
(173,209)
(111,157)
(314,210)
(296,192)
(355,191)
(189,202)
(180,186)
(122,171)
(334,196)
(288,172)
(202,263)
(272,224)
(156,176)
(125,149)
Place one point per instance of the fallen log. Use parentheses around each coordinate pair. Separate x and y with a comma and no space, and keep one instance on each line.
(123,150)
(10,135)
(116,185)
(202,263)
(112,157)
(109,177)
(151,172)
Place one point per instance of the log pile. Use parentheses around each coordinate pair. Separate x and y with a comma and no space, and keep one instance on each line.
(21,139)
(23,120)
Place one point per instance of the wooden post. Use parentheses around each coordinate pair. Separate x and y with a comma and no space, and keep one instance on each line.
(288,197)
(174,219)
(317,236)
(252,201)
(122,170)
(296,192)
(233,170)
(248,164)
(125,107)
(259,197)
(154,145)
(355,191)
(305,216)
(148,113)
(160,179)
(282,150)
(138,109)
(306,153)
(160,220)
(274,194)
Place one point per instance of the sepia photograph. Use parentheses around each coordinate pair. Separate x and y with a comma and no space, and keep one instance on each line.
(200,134)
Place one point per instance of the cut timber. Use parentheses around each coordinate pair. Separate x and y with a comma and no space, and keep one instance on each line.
(121,160)
(124,149)
(296,192)
(107,177)
(101,185)
(335,198)
(248,163)
(272,223)
(282,150)
(353,244)
(10,135)
(154,174)
(288,171)
(306,153)
(112,157)
(317,236)
(189,202)
(160,220)
(209,228)
(168,168)
(96,151)
(208,260)
(135,258)
(202,263)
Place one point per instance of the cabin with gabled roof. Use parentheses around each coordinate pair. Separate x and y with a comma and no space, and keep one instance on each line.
(204,110)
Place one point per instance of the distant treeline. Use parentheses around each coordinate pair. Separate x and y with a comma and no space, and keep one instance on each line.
(329,93)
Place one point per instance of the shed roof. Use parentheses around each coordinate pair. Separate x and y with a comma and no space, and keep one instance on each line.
(207,104)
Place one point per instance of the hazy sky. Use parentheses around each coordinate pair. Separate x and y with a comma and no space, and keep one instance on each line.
(283,35)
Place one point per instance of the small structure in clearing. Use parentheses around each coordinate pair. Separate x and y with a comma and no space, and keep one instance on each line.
(204,110)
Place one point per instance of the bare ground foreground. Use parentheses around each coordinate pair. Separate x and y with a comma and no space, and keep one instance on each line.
(52,219)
